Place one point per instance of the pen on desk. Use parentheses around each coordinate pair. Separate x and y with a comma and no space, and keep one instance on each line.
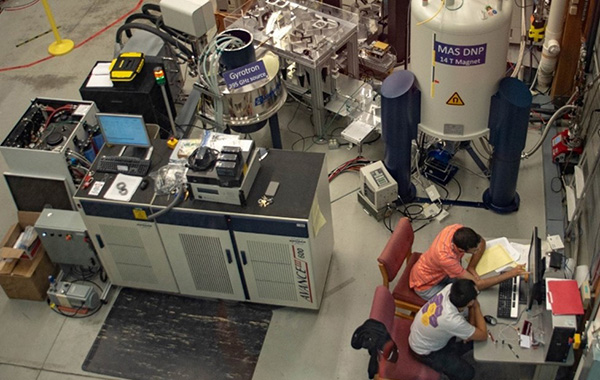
(491,337)
(513,351)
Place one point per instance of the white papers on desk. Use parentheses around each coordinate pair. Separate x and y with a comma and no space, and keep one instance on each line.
(523,251)
(100,76)
(123,187)
(214,140)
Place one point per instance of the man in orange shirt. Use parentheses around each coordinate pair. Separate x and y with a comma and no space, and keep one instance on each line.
(437,267)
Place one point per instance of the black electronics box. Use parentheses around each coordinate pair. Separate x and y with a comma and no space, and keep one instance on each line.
(563,329)
(556,260)
(140,96)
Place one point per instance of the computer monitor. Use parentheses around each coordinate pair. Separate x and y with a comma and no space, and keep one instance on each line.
(536,270)
(126,131)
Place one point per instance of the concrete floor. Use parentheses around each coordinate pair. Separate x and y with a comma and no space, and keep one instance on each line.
(36,343)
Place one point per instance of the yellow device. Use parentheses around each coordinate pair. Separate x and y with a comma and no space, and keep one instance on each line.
(172,142)
(126,66)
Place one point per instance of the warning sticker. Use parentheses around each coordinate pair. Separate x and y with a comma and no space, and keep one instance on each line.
(455,100)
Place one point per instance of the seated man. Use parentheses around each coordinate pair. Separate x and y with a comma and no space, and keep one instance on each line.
(440,321)
(441,263)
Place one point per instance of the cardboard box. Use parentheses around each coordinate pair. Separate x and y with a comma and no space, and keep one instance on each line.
(22,278)
(9,256)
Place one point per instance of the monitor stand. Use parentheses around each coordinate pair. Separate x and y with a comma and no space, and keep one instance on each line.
(142,153)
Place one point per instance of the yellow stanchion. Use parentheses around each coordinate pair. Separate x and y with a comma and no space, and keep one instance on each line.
(60,46)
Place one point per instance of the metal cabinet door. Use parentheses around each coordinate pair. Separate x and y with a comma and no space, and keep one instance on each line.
(277,269)
(131,252)
(203,261)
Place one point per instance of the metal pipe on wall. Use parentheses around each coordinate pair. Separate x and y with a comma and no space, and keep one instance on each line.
(551,47)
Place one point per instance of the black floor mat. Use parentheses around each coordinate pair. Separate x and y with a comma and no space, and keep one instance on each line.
(150,335)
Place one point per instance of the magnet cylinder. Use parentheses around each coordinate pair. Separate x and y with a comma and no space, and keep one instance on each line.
(508,122)
(400,110)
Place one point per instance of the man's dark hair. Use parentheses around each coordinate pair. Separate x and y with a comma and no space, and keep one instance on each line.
(465,238)
(462,292)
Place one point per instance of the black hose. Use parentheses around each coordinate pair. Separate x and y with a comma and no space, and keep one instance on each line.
(181,36)
(150,7)
(139,16)
(166,37)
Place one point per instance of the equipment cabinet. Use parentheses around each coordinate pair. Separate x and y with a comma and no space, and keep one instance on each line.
(277,255)
(130,250)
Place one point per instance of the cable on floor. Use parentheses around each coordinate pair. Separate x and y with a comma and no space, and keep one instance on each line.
(351,165)
(19,7)
(27,65)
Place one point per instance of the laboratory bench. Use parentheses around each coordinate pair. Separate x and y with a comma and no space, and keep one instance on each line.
(278,254)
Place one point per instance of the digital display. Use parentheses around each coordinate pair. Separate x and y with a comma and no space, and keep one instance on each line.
(127,130)
(379,177)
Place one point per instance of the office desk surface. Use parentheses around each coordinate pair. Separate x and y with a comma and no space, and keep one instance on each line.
(506,330)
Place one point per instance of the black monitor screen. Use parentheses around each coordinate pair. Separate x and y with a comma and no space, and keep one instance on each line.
(34,194)
(536,270)
(126,130)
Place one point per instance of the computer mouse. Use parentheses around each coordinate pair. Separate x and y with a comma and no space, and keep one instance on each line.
(490,320)
(144,184)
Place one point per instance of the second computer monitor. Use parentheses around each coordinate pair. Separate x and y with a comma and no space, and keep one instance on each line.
(536,270)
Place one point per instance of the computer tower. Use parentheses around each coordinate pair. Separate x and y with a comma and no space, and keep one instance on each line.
(563,329)
(141,96)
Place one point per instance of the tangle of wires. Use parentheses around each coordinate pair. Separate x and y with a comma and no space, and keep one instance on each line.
(79,274)
(352,165)
(186,48)
(415,212)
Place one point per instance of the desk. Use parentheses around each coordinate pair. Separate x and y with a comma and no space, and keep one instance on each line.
(277,255)
(541,318)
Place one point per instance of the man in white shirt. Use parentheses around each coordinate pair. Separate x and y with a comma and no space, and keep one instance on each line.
(443,319)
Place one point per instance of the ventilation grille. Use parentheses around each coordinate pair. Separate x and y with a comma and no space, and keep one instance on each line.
(273,270)
(207,264)
(129,254)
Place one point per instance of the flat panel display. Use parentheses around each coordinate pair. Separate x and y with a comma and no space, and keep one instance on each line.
(125,130)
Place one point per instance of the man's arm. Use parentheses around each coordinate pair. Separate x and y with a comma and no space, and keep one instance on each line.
(475,259)
(476,319)
(484,283)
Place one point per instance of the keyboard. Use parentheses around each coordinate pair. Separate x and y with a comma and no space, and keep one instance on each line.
(508,298)
(122,164)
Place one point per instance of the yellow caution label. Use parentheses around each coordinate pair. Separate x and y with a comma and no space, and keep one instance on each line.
(455,100)
(139,213)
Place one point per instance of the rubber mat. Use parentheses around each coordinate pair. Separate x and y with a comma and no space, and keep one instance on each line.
(150,335)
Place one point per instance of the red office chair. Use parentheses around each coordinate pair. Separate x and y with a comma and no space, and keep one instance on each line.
(406,366)
(397,251)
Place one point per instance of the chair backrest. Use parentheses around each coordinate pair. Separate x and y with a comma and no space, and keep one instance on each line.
(397,249)
(406,367)
(383,307)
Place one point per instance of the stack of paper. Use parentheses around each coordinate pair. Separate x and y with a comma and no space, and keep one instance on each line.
(497,255)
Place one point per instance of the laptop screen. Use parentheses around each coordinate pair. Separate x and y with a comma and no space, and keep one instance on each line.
(127,130)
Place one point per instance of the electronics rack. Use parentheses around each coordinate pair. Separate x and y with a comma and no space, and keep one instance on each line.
(54,139)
